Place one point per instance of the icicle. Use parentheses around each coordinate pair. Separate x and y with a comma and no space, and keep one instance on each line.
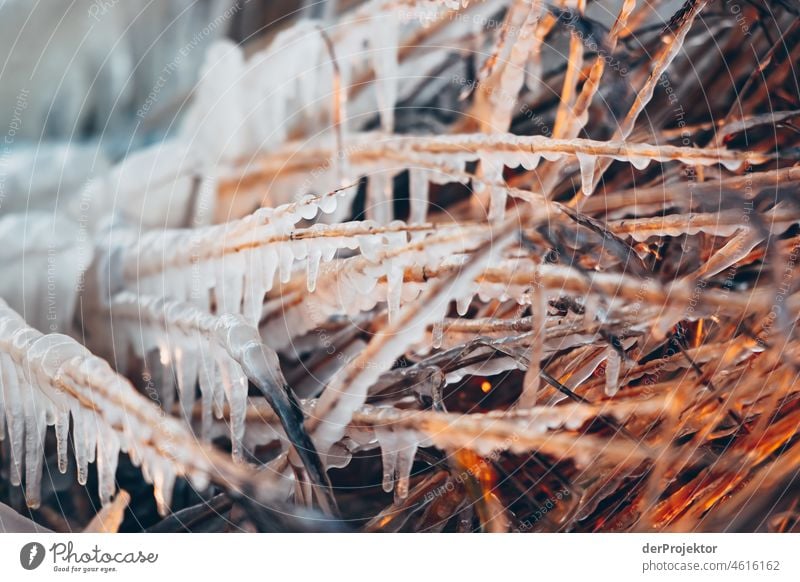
(463,303)
(218,384)
(299,249)
(587,164)
(383,46)
(206,280)
(167,377)
(613,363)
(107,456)
(108,415)
(388,443)
(206,202)
(285,262)
(314,257)
(639,162)
(236,386)
(552,156)
(380,197)
(437,334)
(732,165)
(394,277)
(269,266)
(162,262)
(530,161)
(14,416)
(2,406)
(406,451)
(497,203)
(90,434)
(35,427)
(254,288)
(163,484)
(327,204)
(418,193)
(370,244)
(348,389)
(206,375)
(62,439)
(230,283)
(79,440)
(397,456)
(187,365)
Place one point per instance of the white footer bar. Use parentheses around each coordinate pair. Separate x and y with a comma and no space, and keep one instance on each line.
(401,557)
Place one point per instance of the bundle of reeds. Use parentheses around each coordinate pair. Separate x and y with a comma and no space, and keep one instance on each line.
(418,265)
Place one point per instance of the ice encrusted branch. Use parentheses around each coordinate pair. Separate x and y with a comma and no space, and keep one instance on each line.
(348,389)
(356,284)
(48,379)
(398,275)
(442,159)
(398,433)
(238,261)
(224,353)
(672,44)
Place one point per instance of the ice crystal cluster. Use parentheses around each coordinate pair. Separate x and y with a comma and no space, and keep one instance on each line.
(416,265)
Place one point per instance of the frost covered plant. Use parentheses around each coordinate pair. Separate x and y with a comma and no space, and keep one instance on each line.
(419,265)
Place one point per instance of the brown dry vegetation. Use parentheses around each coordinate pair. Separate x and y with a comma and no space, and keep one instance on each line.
(440,266)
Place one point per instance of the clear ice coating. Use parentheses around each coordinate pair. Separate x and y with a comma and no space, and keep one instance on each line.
(188,265)
(437,334)
(613,364)
(398,449)
(523,41)
(348,389)
(384,40)
(587,164)
(380,198)
(492,165)
(418,193)
(357,284)
(46,379)
(531,381)
(207,350)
